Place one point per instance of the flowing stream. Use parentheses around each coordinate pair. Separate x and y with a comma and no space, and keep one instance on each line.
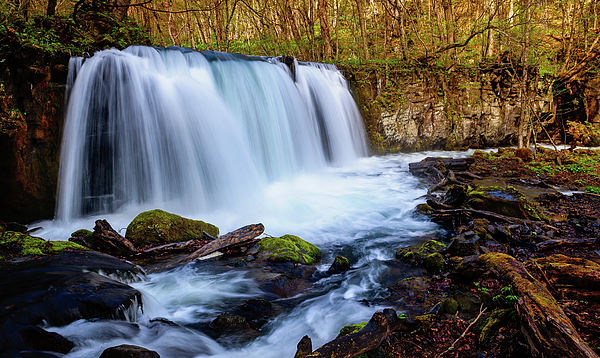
(231,140)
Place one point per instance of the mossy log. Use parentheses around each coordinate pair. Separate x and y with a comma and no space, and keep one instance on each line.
(108,241)
(573,278)
(368,338)
(545,325)
(235,238)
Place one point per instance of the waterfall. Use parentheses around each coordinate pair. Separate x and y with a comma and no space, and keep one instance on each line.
(202,130)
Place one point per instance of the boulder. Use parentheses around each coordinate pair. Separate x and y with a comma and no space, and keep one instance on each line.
(157,227)
(288,248)
(128,351)
(504,201)
(340,264)
(427,255)
(57,290)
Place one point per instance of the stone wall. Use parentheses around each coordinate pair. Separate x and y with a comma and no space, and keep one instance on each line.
(426,108)
(31,112)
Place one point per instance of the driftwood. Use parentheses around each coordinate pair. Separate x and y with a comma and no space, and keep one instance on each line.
(468,175)
(107,240)
(368,338)
(419,169)
(544,324)
(555,243)
(443,214)
(235,238)
(174,246)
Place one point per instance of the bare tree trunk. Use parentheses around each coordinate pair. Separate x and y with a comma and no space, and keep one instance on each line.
(218,23)
(490,38)
(449,17)
(324,22)
(51,9)
(363,27)
(524,88)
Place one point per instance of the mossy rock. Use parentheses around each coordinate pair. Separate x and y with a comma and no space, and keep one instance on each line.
(288,248)
(426,255)
(158,227)
(505,201)
(434,262)
(424,209)
(340,264)
(15,244)
(84,233)
(352,328)
(450,306)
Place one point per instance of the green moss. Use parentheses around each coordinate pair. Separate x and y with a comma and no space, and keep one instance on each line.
(160,227)
(353,328)
(497,319)
(450,306)
(16,244)
(289,248)
(424,208)
(505,201)
(84,233)
(427,255)
(434,262)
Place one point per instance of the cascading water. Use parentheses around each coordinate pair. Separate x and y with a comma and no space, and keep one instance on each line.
(204,130)
(231,140)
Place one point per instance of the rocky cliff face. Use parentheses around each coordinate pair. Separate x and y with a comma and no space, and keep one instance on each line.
(31,112)
(423,109)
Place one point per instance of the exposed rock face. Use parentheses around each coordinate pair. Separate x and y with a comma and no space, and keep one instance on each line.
(32,88)
(432,108)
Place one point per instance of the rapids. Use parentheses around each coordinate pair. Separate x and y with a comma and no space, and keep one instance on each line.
(230,140)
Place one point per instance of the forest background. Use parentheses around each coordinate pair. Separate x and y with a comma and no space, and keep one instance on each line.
(533,40)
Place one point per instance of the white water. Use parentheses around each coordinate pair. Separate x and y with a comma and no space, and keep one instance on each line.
(231,142)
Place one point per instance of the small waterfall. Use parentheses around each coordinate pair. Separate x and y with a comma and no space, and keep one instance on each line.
(203,130)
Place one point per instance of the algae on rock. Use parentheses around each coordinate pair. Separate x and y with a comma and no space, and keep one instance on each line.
(505,201)
(160,227)
(16,244)
(288,248)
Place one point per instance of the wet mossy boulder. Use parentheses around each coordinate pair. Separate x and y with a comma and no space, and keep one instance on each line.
(340,264)
(427,255)
(288,248)
(158,227)
(505,201)
(16,244)
(83,237)
(456,195)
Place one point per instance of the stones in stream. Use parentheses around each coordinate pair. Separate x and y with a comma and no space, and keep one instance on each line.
(58,290)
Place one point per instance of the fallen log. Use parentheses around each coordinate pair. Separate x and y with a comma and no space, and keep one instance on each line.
(418,169)
(544,324)
(444,214)
(368,338)
(573,278)
(174,246)
(235,238)
(108,241)
(555,243)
